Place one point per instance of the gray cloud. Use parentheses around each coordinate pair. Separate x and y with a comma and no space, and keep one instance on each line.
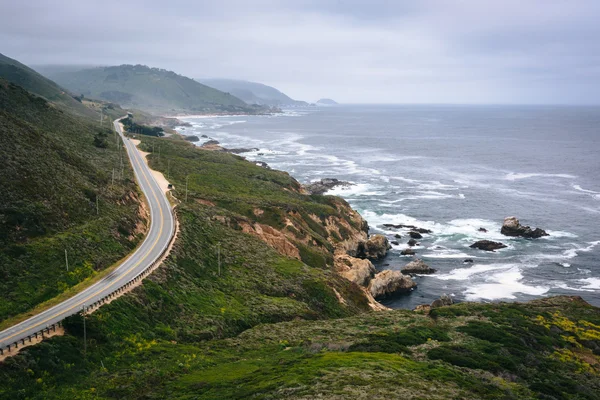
(443,51)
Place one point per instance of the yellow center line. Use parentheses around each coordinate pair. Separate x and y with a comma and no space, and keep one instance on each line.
(144,173)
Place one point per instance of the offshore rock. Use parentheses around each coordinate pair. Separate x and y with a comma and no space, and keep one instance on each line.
(487,245)
(415,235)
(408,252)
(417,267)
(512,227)
(390,283)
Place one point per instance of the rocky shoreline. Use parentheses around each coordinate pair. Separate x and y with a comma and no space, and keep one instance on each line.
(353,257)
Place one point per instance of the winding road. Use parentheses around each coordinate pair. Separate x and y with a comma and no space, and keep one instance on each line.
(162,229)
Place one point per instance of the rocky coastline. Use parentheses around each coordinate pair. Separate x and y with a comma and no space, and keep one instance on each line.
(354,256)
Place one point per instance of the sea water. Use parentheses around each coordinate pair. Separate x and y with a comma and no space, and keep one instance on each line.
(453,170)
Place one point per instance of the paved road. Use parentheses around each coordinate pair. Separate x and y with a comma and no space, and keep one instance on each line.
(157,240)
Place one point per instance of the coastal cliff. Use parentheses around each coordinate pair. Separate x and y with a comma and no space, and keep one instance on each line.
(269,293)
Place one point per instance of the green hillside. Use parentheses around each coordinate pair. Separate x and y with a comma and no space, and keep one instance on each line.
(264,325)
(19,74)
(150,89)
(253,92)
(55,166)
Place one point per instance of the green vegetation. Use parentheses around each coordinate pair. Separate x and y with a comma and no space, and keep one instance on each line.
(56,167)
(229,316)
(437,357)
(134,127)
(19,74)
(151,89)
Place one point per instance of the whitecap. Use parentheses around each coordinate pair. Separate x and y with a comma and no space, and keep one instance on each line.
(591,283)
(517,176)
(503,285)
(461,274)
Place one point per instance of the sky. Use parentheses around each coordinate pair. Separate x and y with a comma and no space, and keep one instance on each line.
(403,51)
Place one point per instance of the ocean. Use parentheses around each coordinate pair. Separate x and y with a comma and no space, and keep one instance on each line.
(453,170)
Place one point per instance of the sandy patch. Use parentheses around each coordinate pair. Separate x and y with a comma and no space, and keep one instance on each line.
(160,178)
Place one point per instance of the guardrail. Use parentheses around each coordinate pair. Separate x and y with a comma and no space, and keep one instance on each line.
(10,348)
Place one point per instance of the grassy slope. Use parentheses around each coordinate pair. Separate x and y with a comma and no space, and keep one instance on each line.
(149,89)
(19,74)
(189,332)
(52,173)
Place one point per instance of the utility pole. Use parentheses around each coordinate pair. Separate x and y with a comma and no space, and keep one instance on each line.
(219,256)
(67,260)
(84,333)
(186,187)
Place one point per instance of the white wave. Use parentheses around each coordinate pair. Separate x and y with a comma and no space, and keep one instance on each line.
(503,285)
(517,176)
(358,189)
(579,188)
(559,234)
(565,265)
(572,253)
(591,283)
(447,254)
(461,274)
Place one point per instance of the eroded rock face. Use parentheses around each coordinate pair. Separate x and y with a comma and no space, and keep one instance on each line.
(324,185)
(375,247)
(390,283)
(512,227)
(487,245)
(354,269)
(417,267)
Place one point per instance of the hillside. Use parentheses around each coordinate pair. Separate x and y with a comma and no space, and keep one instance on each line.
(151,89)
(253,92)
(276,320)
(58,194)
(19,74)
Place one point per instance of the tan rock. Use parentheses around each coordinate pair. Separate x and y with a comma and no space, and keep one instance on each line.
(390,283)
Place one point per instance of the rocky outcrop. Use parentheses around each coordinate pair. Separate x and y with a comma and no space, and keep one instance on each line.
(417,267)
(390,283)
(324,185)
(242,150)
(415,235)
(487,245)
(408,252)
(412,242)
(444,300)
(512,227)
(375,248)
(354,269)
(272,237)
(411,227)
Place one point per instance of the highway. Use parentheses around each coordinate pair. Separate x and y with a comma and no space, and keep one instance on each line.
(162,228)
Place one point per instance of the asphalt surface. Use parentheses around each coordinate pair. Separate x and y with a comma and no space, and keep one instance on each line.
(161,231)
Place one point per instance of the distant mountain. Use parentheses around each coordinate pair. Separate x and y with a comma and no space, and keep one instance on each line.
(253,92)
(326,102)
(20,74)
(150,89)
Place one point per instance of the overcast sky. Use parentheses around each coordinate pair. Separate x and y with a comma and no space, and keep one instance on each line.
(402,51)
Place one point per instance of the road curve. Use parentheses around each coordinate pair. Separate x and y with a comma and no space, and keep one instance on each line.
(162,229)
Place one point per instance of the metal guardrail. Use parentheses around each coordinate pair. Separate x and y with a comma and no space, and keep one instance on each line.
(97,304)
